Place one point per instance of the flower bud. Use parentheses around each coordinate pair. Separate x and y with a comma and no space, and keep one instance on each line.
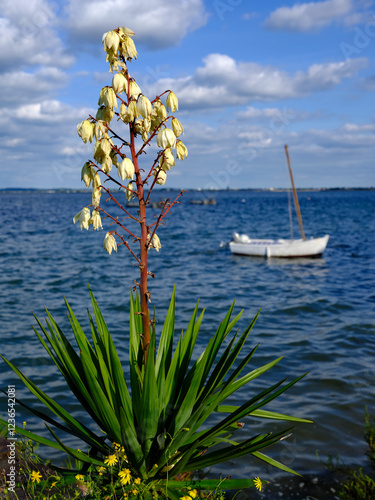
(166,138)
(85,130)
(144,106)
(129,191)
(109,243)
(83,217)
(96,194)
(126,169)
(134,90)
(96,220)
(87,173)
(160,176)
(181,150)
(177,127)
(172,102)
(119,83)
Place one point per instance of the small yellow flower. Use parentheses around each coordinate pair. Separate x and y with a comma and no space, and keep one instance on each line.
(137,481)
(101,470)
(116,446)
(193,493)
(258,483)
(35,476)
(53,484)
(126,495)
(125,476)
(186,497)
(111,460)
(24,424)
(135,492)
(79,477)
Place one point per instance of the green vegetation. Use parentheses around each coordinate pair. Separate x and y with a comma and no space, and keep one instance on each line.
(360,486)
(167,414)
(159,429)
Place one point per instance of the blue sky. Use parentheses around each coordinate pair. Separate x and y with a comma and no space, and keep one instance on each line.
(250,77)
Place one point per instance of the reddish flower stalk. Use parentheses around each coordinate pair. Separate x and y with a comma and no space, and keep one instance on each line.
(144,293)
(148,120)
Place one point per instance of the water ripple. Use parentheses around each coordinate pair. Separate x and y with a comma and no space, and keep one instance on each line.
(318,313)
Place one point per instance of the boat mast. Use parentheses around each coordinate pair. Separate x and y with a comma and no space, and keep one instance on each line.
(295,195)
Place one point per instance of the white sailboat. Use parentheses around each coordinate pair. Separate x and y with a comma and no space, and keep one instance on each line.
(302,247)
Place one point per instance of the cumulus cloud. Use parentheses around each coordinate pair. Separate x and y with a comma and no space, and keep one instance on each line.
(222,81)
(31,87)
(311,16)
(42,135)
(28,35)
(157,23)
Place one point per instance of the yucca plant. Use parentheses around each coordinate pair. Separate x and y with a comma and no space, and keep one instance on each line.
(159,419)
(160,416)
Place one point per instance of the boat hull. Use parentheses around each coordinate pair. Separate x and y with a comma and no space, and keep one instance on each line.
(313,247)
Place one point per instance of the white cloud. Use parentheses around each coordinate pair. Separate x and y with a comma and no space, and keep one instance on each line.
(310,16)
(222,81)
(41,147)
(49,111)
(28,35)
(354,127)
(156,23)
(275,115)
(21,86)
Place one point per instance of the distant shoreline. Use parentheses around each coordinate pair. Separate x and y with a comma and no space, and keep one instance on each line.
(192,190)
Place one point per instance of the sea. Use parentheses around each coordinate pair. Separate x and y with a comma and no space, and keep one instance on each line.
(316,313)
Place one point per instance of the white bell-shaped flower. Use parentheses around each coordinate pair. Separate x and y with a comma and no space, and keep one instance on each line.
(126,169)
(96,220)
(83,217)
(109,243)
(172,102)
(166,138)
